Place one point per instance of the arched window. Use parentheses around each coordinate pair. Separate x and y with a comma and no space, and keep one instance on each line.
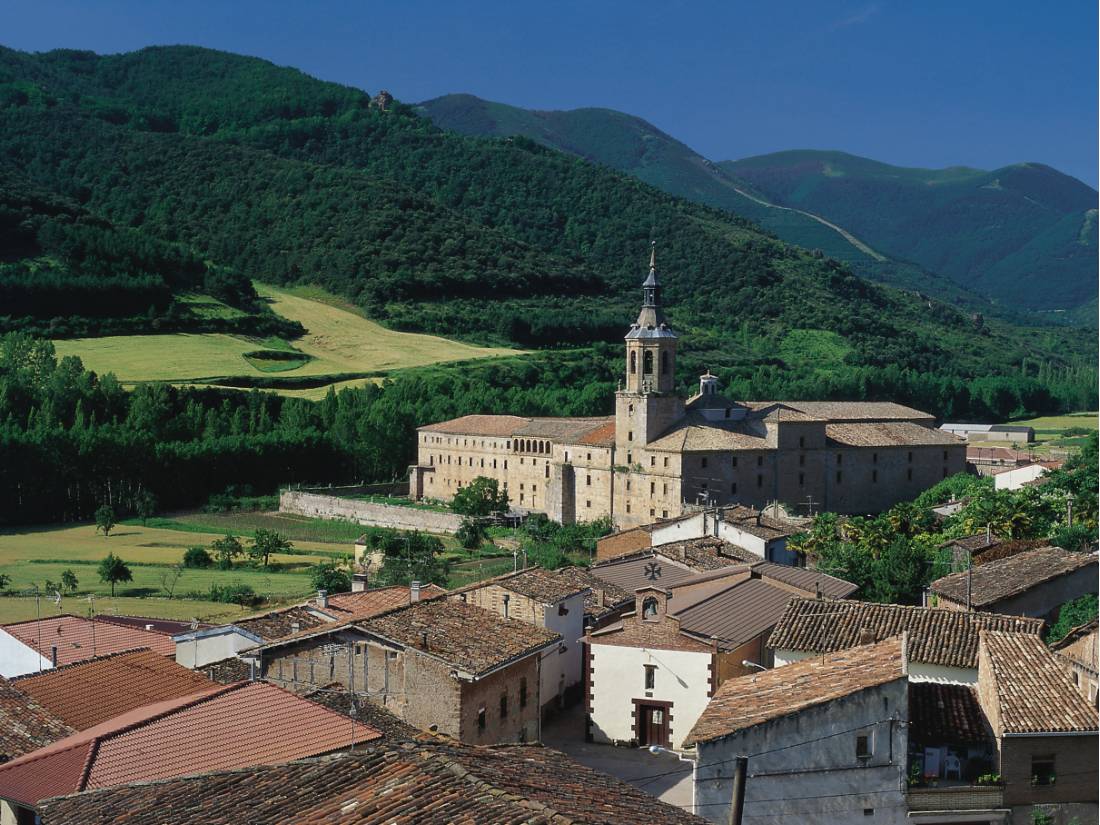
(649,608)
(647,363)
(664,363)
(633,362)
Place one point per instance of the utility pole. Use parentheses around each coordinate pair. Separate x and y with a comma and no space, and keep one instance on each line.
(969,577)
(737,802)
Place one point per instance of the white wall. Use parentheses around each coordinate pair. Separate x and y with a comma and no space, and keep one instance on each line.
(735,535)
(556,663)
(18,659)
(681,530)
(199,650)
(1015,479)
(618,676)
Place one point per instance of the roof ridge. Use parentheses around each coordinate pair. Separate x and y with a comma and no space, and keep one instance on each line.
(83,662)
(45,619)
(962,614)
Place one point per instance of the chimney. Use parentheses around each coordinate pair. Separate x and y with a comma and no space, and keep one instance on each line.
(507,599)
(295,627)
(682,552)
(149,627)
(423,639)
(601,598)
(817,589)
(988,535)
(322,598)
(414,591)
(53,655)
(867,636)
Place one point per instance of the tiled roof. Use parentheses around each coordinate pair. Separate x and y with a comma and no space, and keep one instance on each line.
(277,624)
(250,723)
(887,434)
(534,582)
(78,639)
(941,714)
(1033,692)
(603,596)
(336,697)
(694,433)
(429,783)
(1004,549)
(601,436)
(936,636)
(25,725)
(806,579)
(168,627)
(757,524)
(467,637)
(706,553)
(850,410)
(997,580)
(746,701)
(367,603)
(564,430)
(227,671)
(87,693)
(491,425)
(978,541)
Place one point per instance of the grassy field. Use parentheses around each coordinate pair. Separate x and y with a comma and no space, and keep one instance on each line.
(1056,436)
(21,608)
(340,342)
(1060,423)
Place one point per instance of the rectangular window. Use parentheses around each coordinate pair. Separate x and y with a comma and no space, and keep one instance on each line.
(652,488)
(664,514)
(801,441)
(523,692)
(628,484)
(666,460)
(760,481)
(547,473)
(589,456)
(505,464)
(664,489)
(481,718)
(863,746)
(653,461)
(1042,769)
(504,706)
(653,512)
(588,481)
(839,459)
(874,458)
(628,506)
(909,474)
(735,461)
(910,457)
(945,455)
(587,503)
(703,461)
(521,485)
(733,489)
(630,435)
(650,676)
(630,458)
(760,461)
(534,488)
(521,498)
(874,476)
(838,476)
(802,461)
(801,479)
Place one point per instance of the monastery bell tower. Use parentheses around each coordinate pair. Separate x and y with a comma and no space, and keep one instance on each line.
(646,406)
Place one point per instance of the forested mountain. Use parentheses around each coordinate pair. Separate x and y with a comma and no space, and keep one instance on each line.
(961,235)
(1026,233)
(64,271)
(284,178)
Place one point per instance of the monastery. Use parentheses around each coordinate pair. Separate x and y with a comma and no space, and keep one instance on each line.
(660,456)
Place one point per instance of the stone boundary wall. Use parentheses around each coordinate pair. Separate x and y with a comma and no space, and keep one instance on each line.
(316,505)
(385,488)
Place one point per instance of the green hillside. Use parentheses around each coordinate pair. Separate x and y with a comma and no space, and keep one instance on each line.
(632,145)
(289,180)
(1025,234)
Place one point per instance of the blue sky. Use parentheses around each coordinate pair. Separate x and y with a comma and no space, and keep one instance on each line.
(917,83)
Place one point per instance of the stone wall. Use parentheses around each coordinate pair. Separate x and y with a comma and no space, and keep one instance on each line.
(318,505)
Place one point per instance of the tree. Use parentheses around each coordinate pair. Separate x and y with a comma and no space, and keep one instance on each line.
(170,578)
(146,506)
(411,556)
(330,576)
(471,533)
(104,519)
(1073,614)
(114,570)
(197,557)
(266,544)
(226,550)
(5,580)
(69,581)
(480,498)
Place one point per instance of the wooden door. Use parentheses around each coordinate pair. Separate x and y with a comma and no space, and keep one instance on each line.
(654,726)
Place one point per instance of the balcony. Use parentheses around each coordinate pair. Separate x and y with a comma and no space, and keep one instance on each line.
(957,798)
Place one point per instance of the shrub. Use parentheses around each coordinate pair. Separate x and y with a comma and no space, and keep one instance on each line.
(197,557)
(331,577)
(471,534)
(235,593)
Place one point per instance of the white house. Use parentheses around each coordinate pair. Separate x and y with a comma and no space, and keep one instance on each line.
(30,646)
(744,527)
(212,644)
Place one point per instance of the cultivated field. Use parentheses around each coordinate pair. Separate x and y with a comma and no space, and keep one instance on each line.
(340,343)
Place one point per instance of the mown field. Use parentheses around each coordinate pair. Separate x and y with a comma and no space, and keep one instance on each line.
(340,344)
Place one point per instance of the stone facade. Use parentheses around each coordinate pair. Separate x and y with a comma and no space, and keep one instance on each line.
(321,505)
(659,455)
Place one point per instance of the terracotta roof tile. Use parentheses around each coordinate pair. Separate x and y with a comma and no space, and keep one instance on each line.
(467,637)
(225,727)
(367,603)
(428,783)
(1000,579)
(888,434)
(168,627)
(850,410)
(78,639)
(603,596)
(489,425)
(1033,692)
(227,671)
(755,523)
(940,714)
(337,697)
(87,693)
(746,701)
(535,583)
(25,725)
(936,636)
(278,624)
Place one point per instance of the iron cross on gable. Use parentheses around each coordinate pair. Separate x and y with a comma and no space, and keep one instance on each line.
(653,571)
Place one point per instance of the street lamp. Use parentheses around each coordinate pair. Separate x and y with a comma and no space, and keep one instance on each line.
(657,749)
(747,663)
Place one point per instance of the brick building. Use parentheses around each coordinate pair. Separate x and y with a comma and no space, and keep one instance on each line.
(659,454)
